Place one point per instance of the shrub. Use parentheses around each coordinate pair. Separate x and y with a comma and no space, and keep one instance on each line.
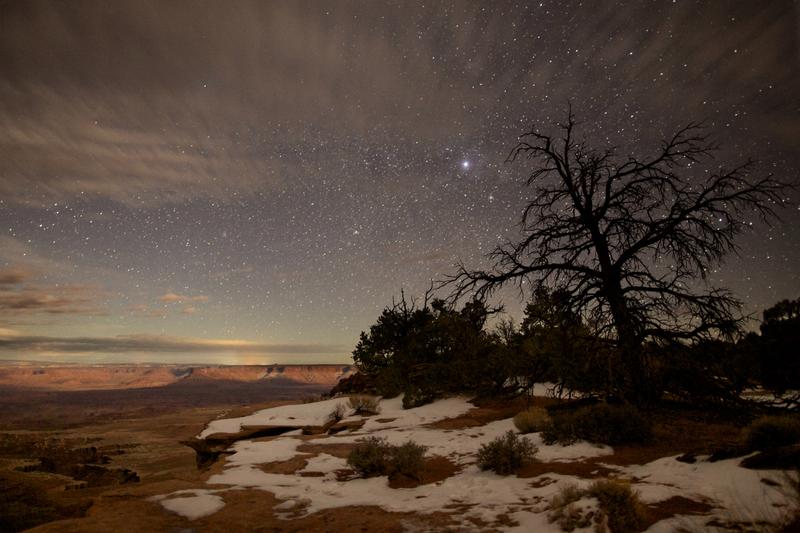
(620,508)
(407,459)
(415,396)
(337,413)
(506,454)
(564,513)
(601,423)
(771,432)
(532,420)
(370,457)
(364,405)
(374,456)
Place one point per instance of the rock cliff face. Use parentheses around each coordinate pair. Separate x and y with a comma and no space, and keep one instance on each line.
(104,377)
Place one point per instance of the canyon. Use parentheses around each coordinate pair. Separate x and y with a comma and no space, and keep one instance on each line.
(115,377)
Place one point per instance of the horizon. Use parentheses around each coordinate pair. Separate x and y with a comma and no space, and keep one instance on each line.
(182,183)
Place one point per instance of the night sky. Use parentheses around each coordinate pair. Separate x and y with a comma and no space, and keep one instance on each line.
(254,182)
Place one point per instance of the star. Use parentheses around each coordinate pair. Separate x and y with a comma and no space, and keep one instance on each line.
(343,177)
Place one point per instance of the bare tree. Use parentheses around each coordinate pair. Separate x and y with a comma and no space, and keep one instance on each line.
(630,240)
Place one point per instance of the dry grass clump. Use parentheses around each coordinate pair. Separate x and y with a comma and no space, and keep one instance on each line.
(771,432)
(791,521)
(364,405)
(619,509)
(565,513)
(506,454)
(532,420)
(337,413)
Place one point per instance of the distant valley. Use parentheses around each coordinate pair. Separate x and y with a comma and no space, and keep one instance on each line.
(114,377)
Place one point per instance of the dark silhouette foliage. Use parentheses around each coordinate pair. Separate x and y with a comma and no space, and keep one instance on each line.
(601,423)
(431,350)
(771,432)
(779,346)
(557,347)
(629,241)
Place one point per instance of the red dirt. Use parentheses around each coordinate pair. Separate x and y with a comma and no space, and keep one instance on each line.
(437,468)
(677,505)
(586,469)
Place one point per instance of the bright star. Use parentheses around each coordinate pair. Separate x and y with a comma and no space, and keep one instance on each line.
(465,164)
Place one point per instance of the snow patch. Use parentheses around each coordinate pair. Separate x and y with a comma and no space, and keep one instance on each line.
(478,495)
(192,504)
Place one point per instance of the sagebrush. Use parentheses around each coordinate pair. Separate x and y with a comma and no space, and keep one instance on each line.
(506,454)
(374,456)
(619,509)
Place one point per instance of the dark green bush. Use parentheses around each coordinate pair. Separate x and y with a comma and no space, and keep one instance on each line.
(506,454)
(407,459)
(771,432)
(415,396)
(430,351)
(371,457)
(601,423)
(374,456)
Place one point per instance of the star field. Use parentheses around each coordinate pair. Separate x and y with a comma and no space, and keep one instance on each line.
(264,178)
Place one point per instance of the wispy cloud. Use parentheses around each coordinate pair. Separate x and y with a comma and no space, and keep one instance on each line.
(145,311)
(17,295)
(13,341)
(13,276)
(172,297)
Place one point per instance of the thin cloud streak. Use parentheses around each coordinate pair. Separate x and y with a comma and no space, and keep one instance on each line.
(9,341)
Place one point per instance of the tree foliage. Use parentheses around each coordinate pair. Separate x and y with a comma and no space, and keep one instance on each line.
(779,347)
(558,347)
(433,349)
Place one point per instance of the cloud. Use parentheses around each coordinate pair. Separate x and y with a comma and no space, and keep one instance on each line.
(62,299)
(172,297)
(13,276)
(145,311)
(189,310)
(21,293)
(13,341)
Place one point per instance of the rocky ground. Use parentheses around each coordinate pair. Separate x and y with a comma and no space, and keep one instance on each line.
(280,468)
(67,453)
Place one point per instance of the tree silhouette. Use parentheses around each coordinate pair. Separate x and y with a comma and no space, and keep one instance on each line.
(629,240)
(778,347)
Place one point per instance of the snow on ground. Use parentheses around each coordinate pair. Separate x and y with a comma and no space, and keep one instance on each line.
(723,484)
(740,493)
(304,414)
(192,504)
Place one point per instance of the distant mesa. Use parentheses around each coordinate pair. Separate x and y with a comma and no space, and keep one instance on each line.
(112,377)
